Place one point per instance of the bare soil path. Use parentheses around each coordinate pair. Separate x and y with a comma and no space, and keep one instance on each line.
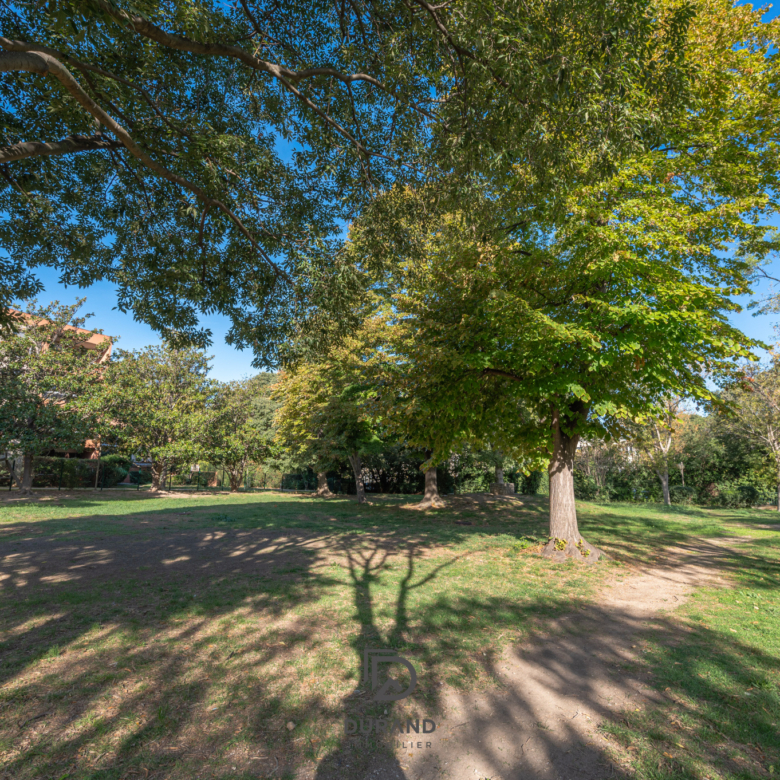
(542,721)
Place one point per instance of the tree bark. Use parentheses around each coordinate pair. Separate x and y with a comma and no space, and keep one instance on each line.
(323,491)
(565,538)
(235,480)
(357,467)
(158,475)
(27,472)
(500,475)
(431,499)
(663,475)
(778,490)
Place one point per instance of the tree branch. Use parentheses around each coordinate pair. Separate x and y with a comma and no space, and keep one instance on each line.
(69,145)
(500,372)
(287,77)
(45,64)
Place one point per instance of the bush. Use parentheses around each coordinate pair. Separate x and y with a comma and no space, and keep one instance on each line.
(141,477)
(113,468)
(736,495)
(529,485)
(682,494)
(585,487)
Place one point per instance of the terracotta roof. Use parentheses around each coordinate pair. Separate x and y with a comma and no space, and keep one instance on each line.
(95,341)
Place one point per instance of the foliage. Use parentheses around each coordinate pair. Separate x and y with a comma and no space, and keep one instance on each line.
(114,467)
(157,398)
(324,415)
(754,401)
(48,374)
(232,138)
(235,434)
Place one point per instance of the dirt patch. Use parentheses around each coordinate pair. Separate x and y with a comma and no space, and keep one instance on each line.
(542,721)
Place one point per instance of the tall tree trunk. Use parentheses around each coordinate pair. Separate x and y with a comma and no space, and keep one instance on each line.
(500,475)
(235,480)
(431,498)
(565,539)
(27,472)
(357,467)
(323,491)
(663,475)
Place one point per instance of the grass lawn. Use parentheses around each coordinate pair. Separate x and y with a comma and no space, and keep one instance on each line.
(222,636)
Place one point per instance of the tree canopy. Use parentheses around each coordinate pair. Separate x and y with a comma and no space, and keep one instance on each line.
(157,400)
(589,314)
(325,415)
(203,156)
(50,367)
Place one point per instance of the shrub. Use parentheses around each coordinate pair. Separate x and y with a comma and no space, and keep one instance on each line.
(682,494)
(529,485)
(114,468)
(736,495)
(585,486)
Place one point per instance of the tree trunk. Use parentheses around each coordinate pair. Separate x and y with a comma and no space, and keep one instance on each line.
(431,499)
(235,480)
(158,476)
(27,472)
(323,491)
(778,491)
(357,467)
(500,475)
(663,475)
(565,539)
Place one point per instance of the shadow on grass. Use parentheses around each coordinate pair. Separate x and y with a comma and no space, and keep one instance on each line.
(187,653)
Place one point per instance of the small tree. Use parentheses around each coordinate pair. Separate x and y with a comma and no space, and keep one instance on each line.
(50,367)
(158,399)
(754,403)
(324,418)
(656,439)
(235,436)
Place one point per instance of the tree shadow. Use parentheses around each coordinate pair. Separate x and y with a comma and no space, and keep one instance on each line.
(187,653)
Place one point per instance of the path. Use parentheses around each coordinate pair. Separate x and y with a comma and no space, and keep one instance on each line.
(541,722)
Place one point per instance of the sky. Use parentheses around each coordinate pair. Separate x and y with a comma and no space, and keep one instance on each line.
(229,363)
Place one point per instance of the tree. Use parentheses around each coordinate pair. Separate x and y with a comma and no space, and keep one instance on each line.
(201,156)
(158,399)
(324,417)
(655,439)
(49,368)
(235,437)
(754,405)
(589,314)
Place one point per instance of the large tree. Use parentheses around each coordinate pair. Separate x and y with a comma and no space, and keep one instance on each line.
(591,312)
(158,400)
(50,368)
(201,155)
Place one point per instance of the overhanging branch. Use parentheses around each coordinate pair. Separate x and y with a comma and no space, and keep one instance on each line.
(70,145)
(45,65)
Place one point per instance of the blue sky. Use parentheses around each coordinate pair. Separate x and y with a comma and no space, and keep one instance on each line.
(230,363)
